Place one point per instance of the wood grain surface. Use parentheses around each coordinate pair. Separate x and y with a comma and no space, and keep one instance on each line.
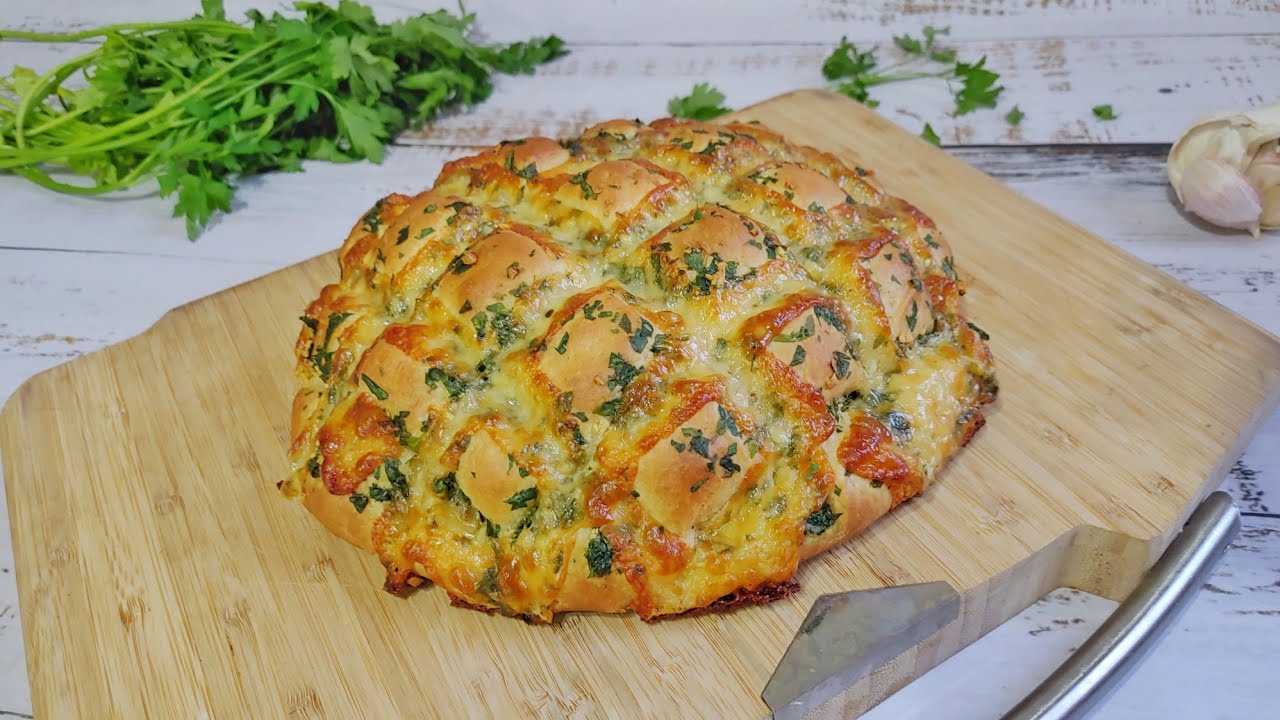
(160,575)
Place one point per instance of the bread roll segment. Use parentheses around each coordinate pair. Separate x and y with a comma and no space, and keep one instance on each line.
(648,369)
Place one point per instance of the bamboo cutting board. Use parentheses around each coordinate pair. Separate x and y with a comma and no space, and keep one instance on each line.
(160,575)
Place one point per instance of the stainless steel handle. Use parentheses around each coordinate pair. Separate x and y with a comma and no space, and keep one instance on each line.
(1117,646)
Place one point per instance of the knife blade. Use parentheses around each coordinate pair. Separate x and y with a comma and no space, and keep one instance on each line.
(847,635)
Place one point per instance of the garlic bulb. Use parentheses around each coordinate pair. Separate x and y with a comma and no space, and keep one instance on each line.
(1226,168)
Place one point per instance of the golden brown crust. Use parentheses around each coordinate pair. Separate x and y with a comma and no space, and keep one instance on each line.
(652,369)
(337,515)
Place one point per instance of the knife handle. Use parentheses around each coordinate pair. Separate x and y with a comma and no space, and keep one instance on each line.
(1086,677)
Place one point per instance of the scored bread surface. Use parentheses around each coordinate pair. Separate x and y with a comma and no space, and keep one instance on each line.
(648,369)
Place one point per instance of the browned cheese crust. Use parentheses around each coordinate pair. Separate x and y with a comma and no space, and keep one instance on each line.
(652,369)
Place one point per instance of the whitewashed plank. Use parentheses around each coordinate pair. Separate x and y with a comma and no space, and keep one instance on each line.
(1156,85)
(741,21)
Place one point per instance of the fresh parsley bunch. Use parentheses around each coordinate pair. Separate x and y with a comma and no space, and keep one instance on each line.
(198,103)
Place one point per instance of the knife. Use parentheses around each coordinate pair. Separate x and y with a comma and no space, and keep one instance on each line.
(846,636)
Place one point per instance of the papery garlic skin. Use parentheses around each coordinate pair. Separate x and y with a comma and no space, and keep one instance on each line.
(1226,168)
(1221,194)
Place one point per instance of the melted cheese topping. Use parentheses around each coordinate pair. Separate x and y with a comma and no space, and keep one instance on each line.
(641,369)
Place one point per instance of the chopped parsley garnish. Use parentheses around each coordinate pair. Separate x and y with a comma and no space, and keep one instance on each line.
(815,207)
(841,360)
(912,316)
(981,333)
(948,266)
(703,270)
(1104,112)
(798,357)
(1014,116)
(564,344)
(623,372)
(726,423)
(379,493)
(806,331)
(374,388)
(322,358)
(445,485)
(610,408)
(599,556)
(396,477)
(642,335)
(425,232)
(402,432)
(402,235)
(522,498)
(828,316)
(698,443)
(489,580)
(581,181)
(438,377)
(726,462)
(710,149)
(359,501)
(820,520)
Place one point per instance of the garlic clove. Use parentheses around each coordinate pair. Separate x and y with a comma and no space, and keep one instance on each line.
(1270,207)
(1221,194)
(1226,168)
(1264,173)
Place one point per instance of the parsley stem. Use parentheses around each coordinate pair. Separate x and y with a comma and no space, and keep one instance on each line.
(174,103)
(205,25)
(884,78)
(44,85)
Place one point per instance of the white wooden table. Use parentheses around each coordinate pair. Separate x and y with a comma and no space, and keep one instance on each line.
(77,274)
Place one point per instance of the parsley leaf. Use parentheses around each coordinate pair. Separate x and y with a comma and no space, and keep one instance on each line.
(374,388)
(1104,112)
(701,104)
(1014,116)
(439,377)
(522,498)
(820,520)
(978,90)
(599,556)
(928,134)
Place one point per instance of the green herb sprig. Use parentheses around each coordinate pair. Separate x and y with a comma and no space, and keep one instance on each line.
(197,104)
(973,85)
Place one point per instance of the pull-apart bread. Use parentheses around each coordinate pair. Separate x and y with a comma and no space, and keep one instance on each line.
(651,369)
